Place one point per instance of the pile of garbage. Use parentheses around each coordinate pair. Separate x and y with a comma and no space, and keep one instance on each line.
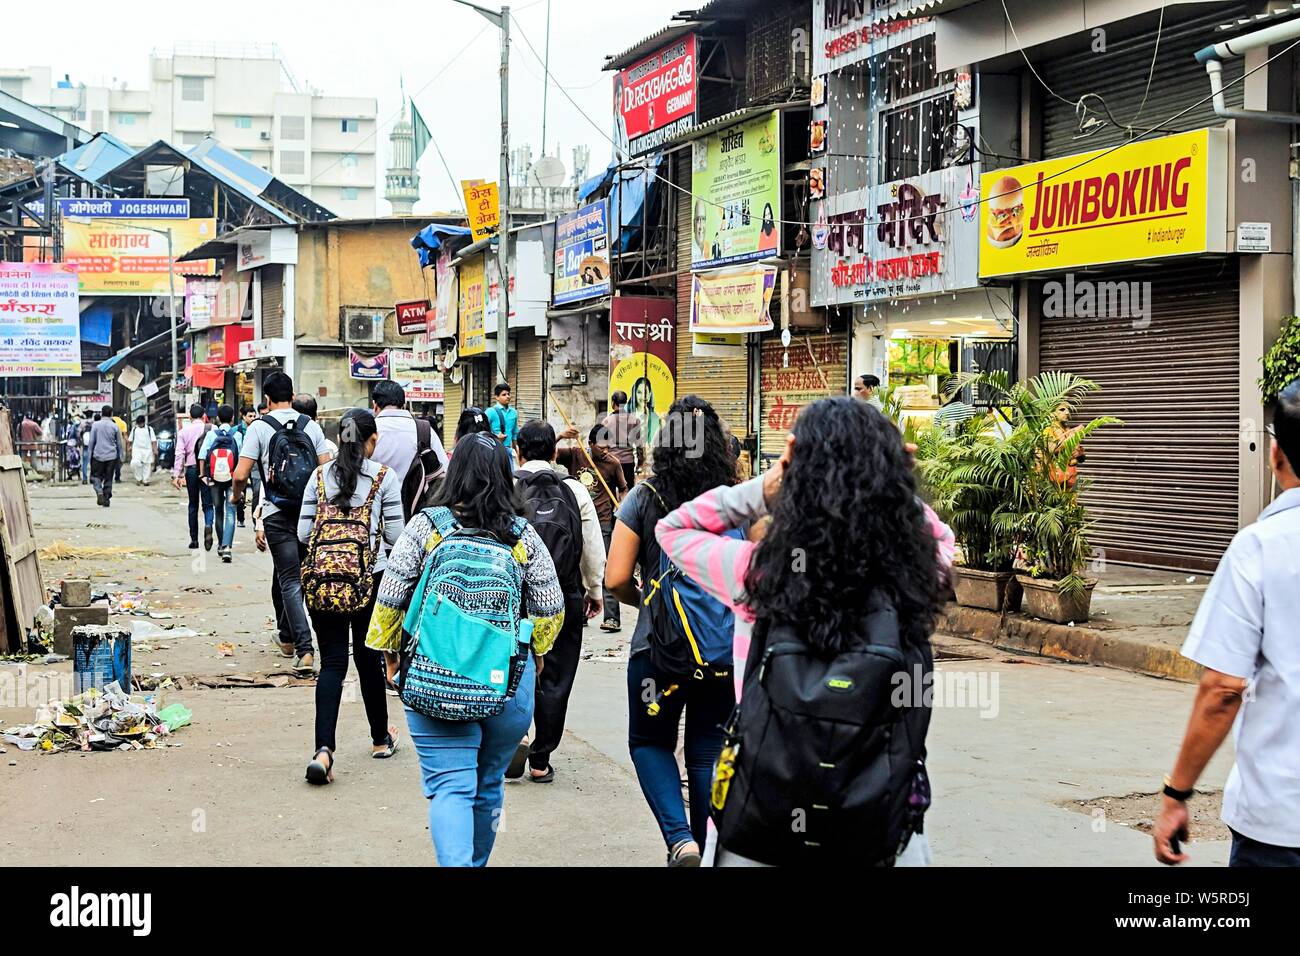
(107,719)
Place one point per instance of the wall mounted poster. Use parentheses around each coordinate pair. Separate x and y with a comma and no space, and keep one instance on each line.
(736,180)
(643,356)
(40,319)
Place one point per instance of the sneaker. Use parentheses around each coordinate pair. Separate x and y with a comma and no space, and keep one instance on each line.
(304,662)
(225,555)
(239,524)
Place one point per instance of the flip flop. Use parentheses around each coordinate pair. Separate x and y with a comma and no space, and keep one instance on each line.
(547,777)
(518,762)
(680,856)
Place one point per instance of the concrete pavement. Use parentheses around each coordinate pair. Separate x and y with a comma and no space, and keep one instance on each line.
(233,793)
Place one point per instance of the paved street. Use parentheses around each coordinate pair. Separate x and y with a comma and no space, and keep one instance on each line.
(1005,784)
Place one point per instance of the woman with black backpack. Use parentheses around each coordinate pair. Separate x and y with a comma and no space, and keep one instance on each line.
(351,514)
(840,597)
(665,674)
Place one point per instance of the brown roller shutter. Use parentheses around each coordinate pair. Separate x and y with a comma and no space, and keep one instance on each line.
(272,302)
(723,383)
(1165,484)
(526,376)
(818,368)
(453,404)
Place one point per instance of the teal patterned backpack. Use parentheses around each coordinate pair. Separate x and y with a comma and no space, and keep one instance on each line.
(465,638)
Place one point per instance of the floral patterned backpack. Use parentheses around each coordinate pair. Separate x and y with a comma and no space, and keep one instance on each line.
(338,570)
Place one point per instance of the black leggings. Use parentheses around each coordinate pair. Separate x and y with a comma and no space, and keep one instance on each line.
(332,633)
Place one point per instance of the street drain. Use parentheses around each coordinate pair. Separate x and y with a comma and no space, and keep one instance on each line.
(1138,811)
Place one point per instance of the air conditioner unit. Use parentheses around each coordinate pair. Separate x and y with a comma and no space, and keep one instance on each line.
(265,136)
(363,327)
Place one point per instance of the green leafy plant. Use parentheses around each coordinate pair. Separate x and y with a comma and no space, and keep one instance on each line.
(1282,361)
(1036,509)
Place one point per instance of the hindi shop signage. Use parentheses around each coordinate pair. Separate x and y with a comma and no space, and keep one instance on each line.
(790,378)
(732,300)
(40,319)
(412,317)
(129,256)
(896,240)
(419,384)
(125,208)
(736,182)
(1151,199)
(643,357)
(582,254)
(483,207)
(655,99)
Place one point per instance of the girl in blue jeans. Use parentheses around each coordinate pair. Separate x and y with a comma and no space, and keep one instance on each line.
(463,763)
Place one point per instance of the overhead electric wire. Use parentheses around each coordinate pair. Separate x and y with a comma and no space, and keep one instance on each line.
(978,202)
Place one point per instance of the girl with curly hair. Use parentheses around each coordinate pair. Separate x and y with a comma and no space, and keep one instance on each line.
(846,523)
(690,457)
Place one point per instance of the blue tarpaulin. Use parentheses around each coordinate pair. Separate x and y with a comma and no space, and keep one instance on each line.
(97,325)
(429,240)
(628,196)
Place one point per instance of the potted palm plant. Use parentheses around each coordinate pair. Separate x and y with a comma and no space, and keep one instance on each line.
(967,488)
(1037,465)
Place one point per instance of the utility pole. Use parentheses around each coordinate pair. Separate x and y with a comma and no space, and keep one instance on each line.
(171,303)
(546,74)
(501,20)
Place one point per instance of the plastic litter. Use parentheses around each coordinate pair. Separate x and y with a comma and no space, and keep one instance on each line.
(176,716)
(107,719)
(148,630)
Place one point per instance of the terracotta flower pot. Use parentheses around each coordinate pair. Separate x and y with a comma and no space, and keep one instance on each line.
(986,589)
(1042,599)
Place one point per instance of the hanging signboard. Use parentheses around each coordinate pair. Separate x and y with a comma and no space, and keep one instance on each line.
(912,237)
(442,318)
(643,357)
(370,368)
(266,247)
(473,285)
(201,302)
(152,208)
(582,254)
(419,385)
(736,181)
(412,317)
(129,257)
(655,99)
(732,300)
(844,32)
(1153,198)
(483,207)
(40,319)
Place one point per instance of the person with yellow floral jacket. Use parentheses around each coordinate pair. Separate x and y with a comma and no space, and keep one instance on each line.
(463,762)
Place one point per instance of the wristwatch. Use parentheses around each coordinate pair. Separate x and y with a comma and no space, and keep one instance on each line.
(1182,796)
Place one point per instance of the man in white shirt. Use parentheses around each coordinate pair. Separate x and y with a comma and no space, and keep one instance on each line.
(400,438)
(1246,636)
(582,578)
(280,516)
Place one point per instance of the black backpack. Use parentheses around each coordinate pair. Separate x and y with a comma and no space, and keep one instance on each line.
(824,758)
(555,515)
(291,458)
(420,486)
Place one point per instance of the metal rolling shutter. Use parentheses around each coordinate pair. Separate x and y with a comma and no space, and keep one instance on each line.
(453,404)
(723,383)
(1165,484)
(272,302)
(797,386)
(1120,75)
(526,377)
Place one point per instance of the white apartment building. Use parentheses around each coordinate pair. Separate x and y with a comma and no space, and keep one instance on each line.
(323,146)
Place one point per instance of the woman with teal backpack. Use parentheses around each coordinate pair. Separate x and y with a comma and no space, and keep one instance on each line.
(469,602)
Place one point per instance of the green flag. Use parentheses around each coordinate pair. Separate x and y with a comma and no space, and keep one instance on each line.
(421,129)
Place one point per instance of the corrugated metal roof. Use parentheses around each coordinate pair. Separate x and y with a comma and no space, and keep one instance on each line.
(651,43)
(92,160)
(902,9)
(730,119)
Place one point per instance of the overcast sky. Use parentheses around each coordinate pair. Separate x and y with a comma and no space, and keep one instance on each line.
(363,47)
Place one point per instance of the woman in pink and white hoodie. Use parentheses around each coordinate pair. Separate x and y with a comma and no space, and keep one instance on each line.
(845,521)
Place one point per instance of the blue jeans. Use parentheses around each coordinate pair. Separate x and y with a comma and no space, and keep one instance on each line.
(85,465)
(652,741)
(464,766)
(1248,852)
(223,506)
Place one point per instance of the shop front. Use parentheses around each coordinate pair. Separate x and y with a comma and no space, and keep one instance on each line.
(1122,260)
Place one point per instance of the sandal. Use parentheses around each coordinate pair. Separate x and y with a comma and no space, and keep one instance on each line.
(318,772)
(389,750)
(518,761)
(680,856)
(547,777)
(611,627)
